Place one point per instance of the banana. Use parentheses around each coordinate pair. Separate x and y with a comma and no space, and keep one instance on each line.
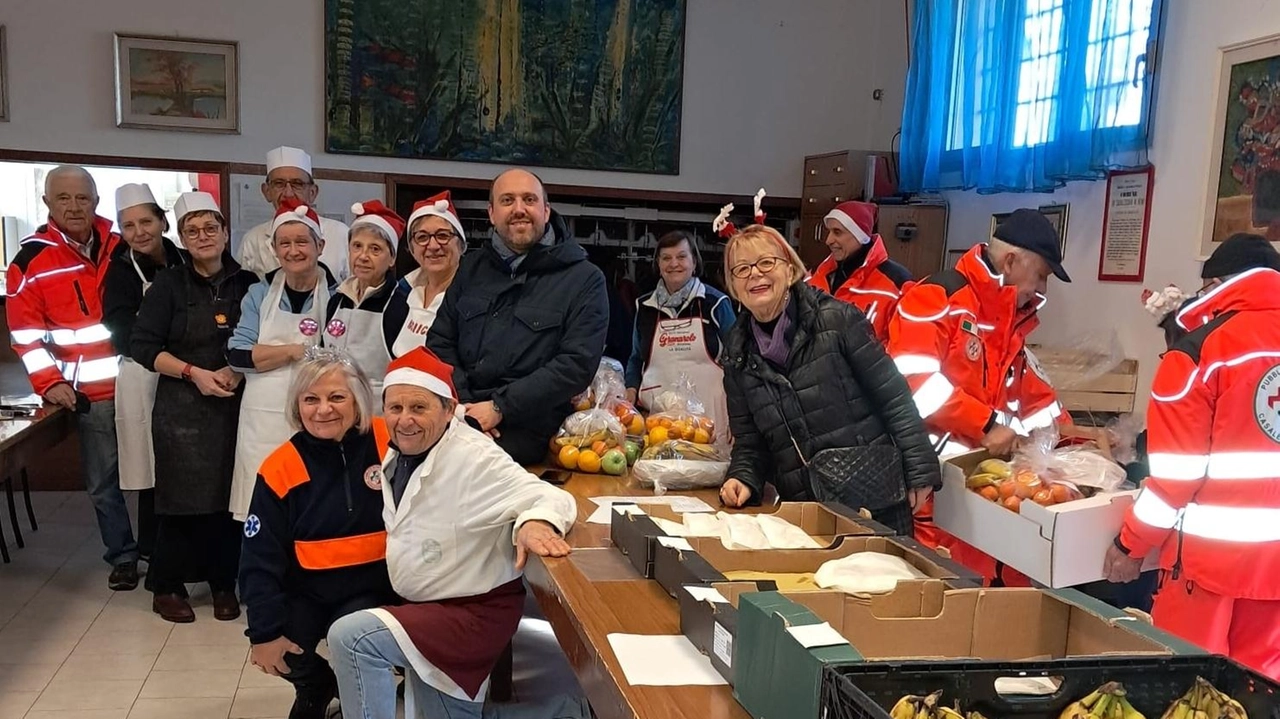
(905,708)
(949,713)
(1075,710)
(980,480)
(1102,707)
(1092,699)
(975,715)
(1128,711)
(998,467)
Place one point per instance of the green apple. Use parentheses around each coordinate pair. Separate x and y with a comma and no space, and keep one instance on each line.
(633,452)
(614,462)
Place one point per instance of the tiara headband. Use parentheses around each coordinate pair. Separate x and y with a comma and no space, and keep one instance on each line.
(726,229)
(331,355)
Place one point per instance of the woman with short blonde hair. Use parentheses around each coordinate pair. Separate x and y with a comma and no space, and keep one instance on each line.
(816,407)
(314,540)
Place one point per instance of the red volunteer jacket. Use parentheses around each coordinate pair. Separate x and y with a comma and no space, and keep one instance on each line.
(1212,502)
(55,311)
(959,339)
(874,288)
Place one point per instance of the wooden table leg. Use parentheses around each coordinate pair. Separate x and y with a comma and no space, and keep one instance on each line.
(26,498)
(13,511)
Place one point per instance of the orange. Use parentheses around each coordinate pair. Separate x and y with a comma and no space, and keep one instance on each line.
(1043,497)
(636,428)
(657,435)
(701,436)
(665,422)
(1061,493)
(600,447)
(681,429)
(1013,503)
(707,423)
(990,493)
(652,422)
(1007,489)
(568,457)
(588,461)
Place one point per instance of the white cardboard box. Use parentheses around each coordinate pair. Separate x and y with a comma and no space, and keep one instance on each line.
(1058,546)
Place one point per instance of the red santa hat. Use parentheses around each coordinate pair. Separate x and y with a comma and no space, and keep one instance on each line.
(726,229)
(859,218)
(377,214)
(440,205)
(420,367)
(291,210)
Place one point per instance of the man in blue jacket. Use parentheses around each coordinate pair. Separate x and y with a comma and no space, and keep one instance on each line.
(524,321)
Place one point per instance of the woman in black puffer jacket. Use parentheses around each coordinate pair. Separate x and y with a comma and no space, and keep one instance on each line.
(816,407)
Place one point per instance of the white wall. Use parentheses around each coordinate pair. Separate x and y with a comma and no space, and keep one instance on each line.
(1194,31)
(766,82)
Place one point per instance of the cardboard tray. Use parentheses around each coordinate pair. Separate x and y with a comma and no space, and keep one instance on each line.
(1058,546)
(633,532)
(918,624)
(705,560)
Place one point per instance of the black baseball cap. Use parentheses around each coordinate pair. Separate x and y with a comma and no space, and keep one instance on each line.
(1032,231)
(1239,253)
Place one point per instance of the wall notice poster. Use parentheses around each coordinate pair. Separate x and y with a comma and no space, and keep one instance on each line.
(1125,223)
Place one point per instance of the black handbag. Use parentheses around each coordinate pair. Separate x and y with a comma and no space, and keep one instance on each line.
(859,477)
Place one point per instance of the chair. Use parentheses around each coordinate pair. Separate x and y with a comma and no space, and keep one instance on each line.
(13,512)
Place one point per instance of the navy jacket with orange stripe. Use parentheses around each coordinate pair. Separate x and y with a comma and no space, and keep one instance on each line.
(314,531)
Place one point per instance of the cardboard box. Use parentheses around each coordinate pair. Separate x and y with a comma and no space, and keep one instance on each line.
(777,675)
(705,560)
(712,625)
(1058,546)
(633,532)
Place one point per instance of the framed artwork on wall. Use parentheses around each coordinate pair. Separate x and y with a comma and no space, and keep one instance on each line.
(4,77)
(1244,168)
(177,84)
(1057,215)
(559,83)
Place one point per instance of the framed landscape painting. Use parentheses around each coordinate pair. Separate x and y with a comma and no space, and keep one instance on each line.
(594,84)
(1244,171)
(173,84)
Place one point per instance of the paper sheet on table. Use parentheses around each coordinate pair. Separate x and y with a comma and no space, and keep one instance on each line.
(677,504)
(817,635)
(663,660)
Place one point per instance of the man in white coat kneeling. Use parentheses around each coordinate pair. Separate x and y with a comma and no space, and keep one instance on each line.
(461,519)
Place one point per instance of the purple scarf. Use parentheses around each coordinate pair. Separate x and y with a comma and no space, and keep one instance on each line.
(774,346)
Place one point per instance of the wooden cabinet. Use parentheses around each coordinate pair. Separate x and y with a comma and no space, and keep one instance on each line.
(829,179)
(915,235)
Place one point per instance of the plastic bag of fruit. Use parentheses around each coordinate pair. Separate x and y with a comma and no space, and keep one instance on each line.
(592,441)
(1080,467)
(676,464)
(678,414)
(606,389)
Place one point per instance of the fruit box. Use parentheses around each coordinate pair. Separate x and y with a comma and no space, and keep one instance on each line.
(709,619)
(700,561)
(1062,545)
(784,641)
(1152,684)
(633,531)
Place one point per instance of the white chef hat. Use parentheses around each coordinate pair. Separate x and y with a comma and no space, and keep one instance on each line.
(284,156)
(132,195)
(189,202)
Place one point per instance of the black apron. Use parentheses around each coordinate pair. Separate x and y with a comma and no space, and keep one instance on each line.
(195,435)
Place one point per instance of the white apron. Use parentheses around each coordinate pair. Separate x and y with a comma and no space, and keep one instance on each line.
(264,425)
(358,334)
(135,396)
(680,347)
(414,332)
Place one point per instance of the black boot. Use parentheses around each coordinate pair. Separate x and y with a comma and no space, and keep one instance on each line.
(312,701)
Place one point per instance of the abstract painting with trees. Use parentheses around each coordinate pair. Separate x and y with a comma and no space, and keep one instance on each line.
(593,84)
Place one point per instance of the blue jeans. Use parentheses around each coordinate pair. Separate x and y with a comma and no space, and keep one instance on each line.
(363,652)
(97,431)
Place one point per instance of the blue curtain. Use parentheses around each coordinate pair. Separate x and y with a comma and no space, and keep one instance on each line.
(1025,95)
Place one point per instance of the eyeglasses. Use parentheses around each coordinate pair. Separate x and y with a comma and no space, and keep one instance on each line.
(441,237)
(764,264)
(295,185)
(193,233)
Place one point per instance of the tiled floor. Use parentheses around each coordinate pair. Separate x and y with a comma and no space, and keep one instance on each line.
(72,649)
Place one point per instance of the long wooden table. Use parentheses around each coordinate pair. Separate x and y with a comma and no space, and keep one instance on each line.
(595,592)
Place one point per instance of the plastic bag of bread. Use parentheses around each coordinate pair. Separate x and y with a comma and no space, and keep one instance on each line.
(866,573)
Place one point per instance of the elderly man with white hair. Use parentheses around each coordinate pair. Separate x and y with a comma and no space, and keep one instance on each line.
(461,518)
(54,311)
(289,179)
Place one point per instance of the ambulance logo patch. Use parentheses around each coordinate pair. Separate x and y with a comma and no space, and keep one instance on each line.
(973,349)
(373,478)
(1266,403)
(252,526)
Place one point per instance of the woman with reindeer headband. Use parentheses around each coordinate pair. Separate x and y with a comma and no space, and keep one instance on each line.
(816,407)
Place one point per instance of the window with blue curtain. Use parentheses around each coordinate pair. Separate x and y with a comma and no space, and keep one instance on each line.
(1026,95)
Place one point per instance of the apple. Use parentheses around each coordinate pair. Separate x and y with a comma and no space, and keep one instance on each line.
(633,452)
(614,462)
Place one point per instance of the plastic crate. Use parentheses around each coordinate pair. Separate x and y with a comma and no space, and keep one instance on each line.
(868,691)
